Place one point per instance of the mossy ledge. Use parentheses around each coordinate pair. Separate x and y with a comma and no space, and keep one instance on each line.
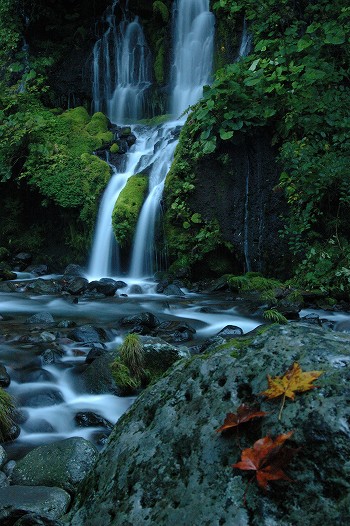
(127,209)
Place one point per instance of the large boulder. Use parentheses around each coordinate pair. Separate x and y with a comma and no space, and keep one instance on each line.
(16,501)
(63,464)
(165,464)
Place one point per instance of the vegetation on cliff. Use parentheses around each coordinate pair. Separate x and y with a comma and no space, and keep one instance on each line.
(295,83)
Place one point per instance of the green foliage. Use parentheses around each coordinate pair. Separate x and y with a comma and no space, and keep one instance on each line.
(131,354)
(7,407)
(123,378)
(127,208)
(295,82)
(161,9)
(253,282)
(274,316)
(55,152)
(114,148)
(159,63)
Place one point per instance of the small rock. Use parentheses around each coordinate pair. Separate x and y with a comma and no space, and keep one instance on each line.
(16,500)
(41,318)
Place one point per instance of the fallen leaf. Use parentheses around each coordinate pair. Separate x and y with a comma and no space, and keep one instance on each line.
(244,414)
(267,457)
(293,381)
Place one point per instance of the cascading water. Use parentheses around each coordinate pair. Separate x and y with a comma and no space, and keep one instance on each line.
(122,69)
(193,52)
(192,66)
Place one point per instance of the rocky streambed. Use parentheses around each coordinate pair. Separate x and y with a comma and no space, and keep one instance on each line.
(58,337)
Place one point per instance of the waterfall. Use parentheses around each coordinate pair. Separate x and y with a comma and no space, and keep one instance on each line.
(246,42)
(121,76)
(122,69)
(193,37)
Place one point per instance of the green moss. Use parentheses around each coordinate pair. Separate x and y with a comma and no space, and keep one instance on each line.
(159,63)
(251,282)
(156,121)
(98,124)
(114,148)
(127,208)
(78,117)
(161,9)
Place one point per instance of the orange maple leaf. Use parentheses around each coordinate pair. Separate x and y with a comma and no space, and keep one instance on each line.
(293,381)
(244,414)
(267,459)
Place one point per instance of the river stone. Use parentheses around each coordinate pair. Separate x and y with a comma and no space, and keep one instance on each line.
(142,322)
(16,501)
(33,519)
(44,286)
(38,270)
(105,286)
(41,397)
(96,377)
(4,481)
(175,332)
(5,379)
(88,334)
(74,270)
(173,290)
(230,331)
(64,464)
(3,456)
(160,355)
(41,318)
(75,284)
(90,419)
(165,464)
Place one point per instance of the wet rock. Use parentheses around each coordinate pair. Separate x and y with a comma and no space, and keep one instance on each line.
(12,433)
(342,326)
(52,355)
(44,286)
(16,501)
(4,481)
(41,318)
(230,331)
(74,284)
(313,319)
(66,324)
(178,468)
(141,323)
(105,286)
(38,425)
(74,270)
(121,284)
(47,336)
(8,287)
(34,375)
(135,289)
(6,275)
(219,284)
(37,270)
(90,419)
(93,354)
(96,377)
(88,334)
(3,456)
(9,467)
(63,464)
(173,290)
(175,332)
(5,379)
(41,397)
(33,519)
(160,355)
(22,260)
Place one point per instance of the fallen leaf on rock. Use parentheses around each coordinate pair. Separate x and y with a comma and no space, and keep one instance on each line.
(293,381)
(244,414)
(267,458)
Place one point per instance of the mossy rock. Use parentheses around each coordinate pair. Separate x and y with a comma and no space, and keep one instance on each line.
(127,209)
(98,124)
(114,148)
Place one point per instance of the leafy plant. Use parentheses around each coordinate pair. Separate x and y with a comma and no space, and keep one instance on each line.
(274,316)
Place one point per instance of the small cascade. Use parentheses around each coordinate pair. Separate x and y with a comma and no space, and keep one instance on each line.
(144,252)
(246,42)
(122,69)
(193,52)
(104,260)
(246,222)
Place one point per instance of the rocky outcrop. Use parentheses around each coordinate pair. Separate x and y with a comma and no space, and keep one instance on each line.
(165,464)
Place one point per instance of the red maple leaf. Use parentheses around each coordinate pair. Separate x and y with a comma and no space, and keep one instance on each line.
(244,414)
(267,457)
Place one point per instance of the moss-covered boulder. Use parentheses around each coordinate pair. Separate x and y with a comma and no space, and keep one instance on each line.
(127,209)
(179,470)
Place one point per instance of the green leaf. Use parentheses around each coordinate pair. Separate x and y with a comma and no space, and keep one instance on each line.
(224,135)
(209,146)
(254,64)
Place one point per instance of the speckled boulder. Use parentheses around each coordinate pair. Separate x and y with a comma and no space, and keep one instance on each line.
(165,464)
